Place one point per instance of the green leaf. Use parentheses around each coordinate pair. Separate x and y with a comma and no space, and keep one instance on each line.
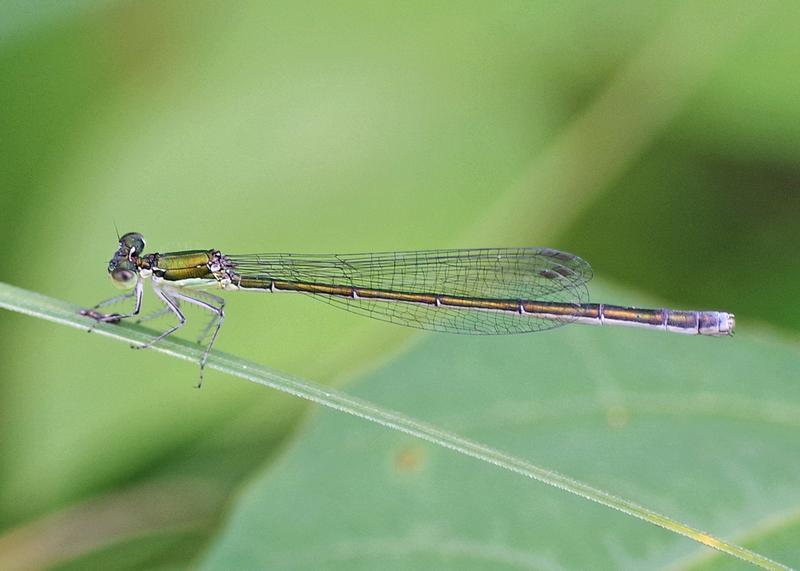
(706,430)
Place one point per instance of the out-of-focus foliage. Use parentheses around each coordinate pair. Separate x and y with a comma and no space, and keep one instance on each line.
(657,140)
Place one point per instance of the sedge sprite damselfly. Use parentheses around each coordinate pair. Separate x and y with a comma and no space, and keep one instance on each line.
(485,291)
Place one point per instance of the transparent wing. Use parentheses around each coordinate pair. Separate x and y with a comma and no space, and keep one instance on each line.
(516,274)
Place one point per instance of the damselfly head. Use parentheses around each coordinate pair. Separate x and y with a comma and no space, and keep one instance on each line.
(122,267)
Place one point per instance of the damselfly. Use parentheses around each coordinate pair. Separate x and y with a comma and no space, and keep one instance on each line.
(487,291)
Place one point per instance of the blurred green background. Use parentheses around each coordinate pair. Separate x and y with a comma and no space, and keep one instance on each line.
(657,140)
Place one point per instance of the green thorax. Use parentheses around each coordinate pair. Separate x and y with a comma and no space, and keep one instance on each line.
(177,266)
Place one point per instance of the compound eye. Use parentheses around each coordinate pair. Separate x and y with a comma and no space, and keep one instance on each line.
(124,276)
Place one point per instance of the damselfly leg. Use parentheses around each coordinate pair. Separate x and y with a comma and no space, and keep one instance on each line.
(100,317)
(214,323)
